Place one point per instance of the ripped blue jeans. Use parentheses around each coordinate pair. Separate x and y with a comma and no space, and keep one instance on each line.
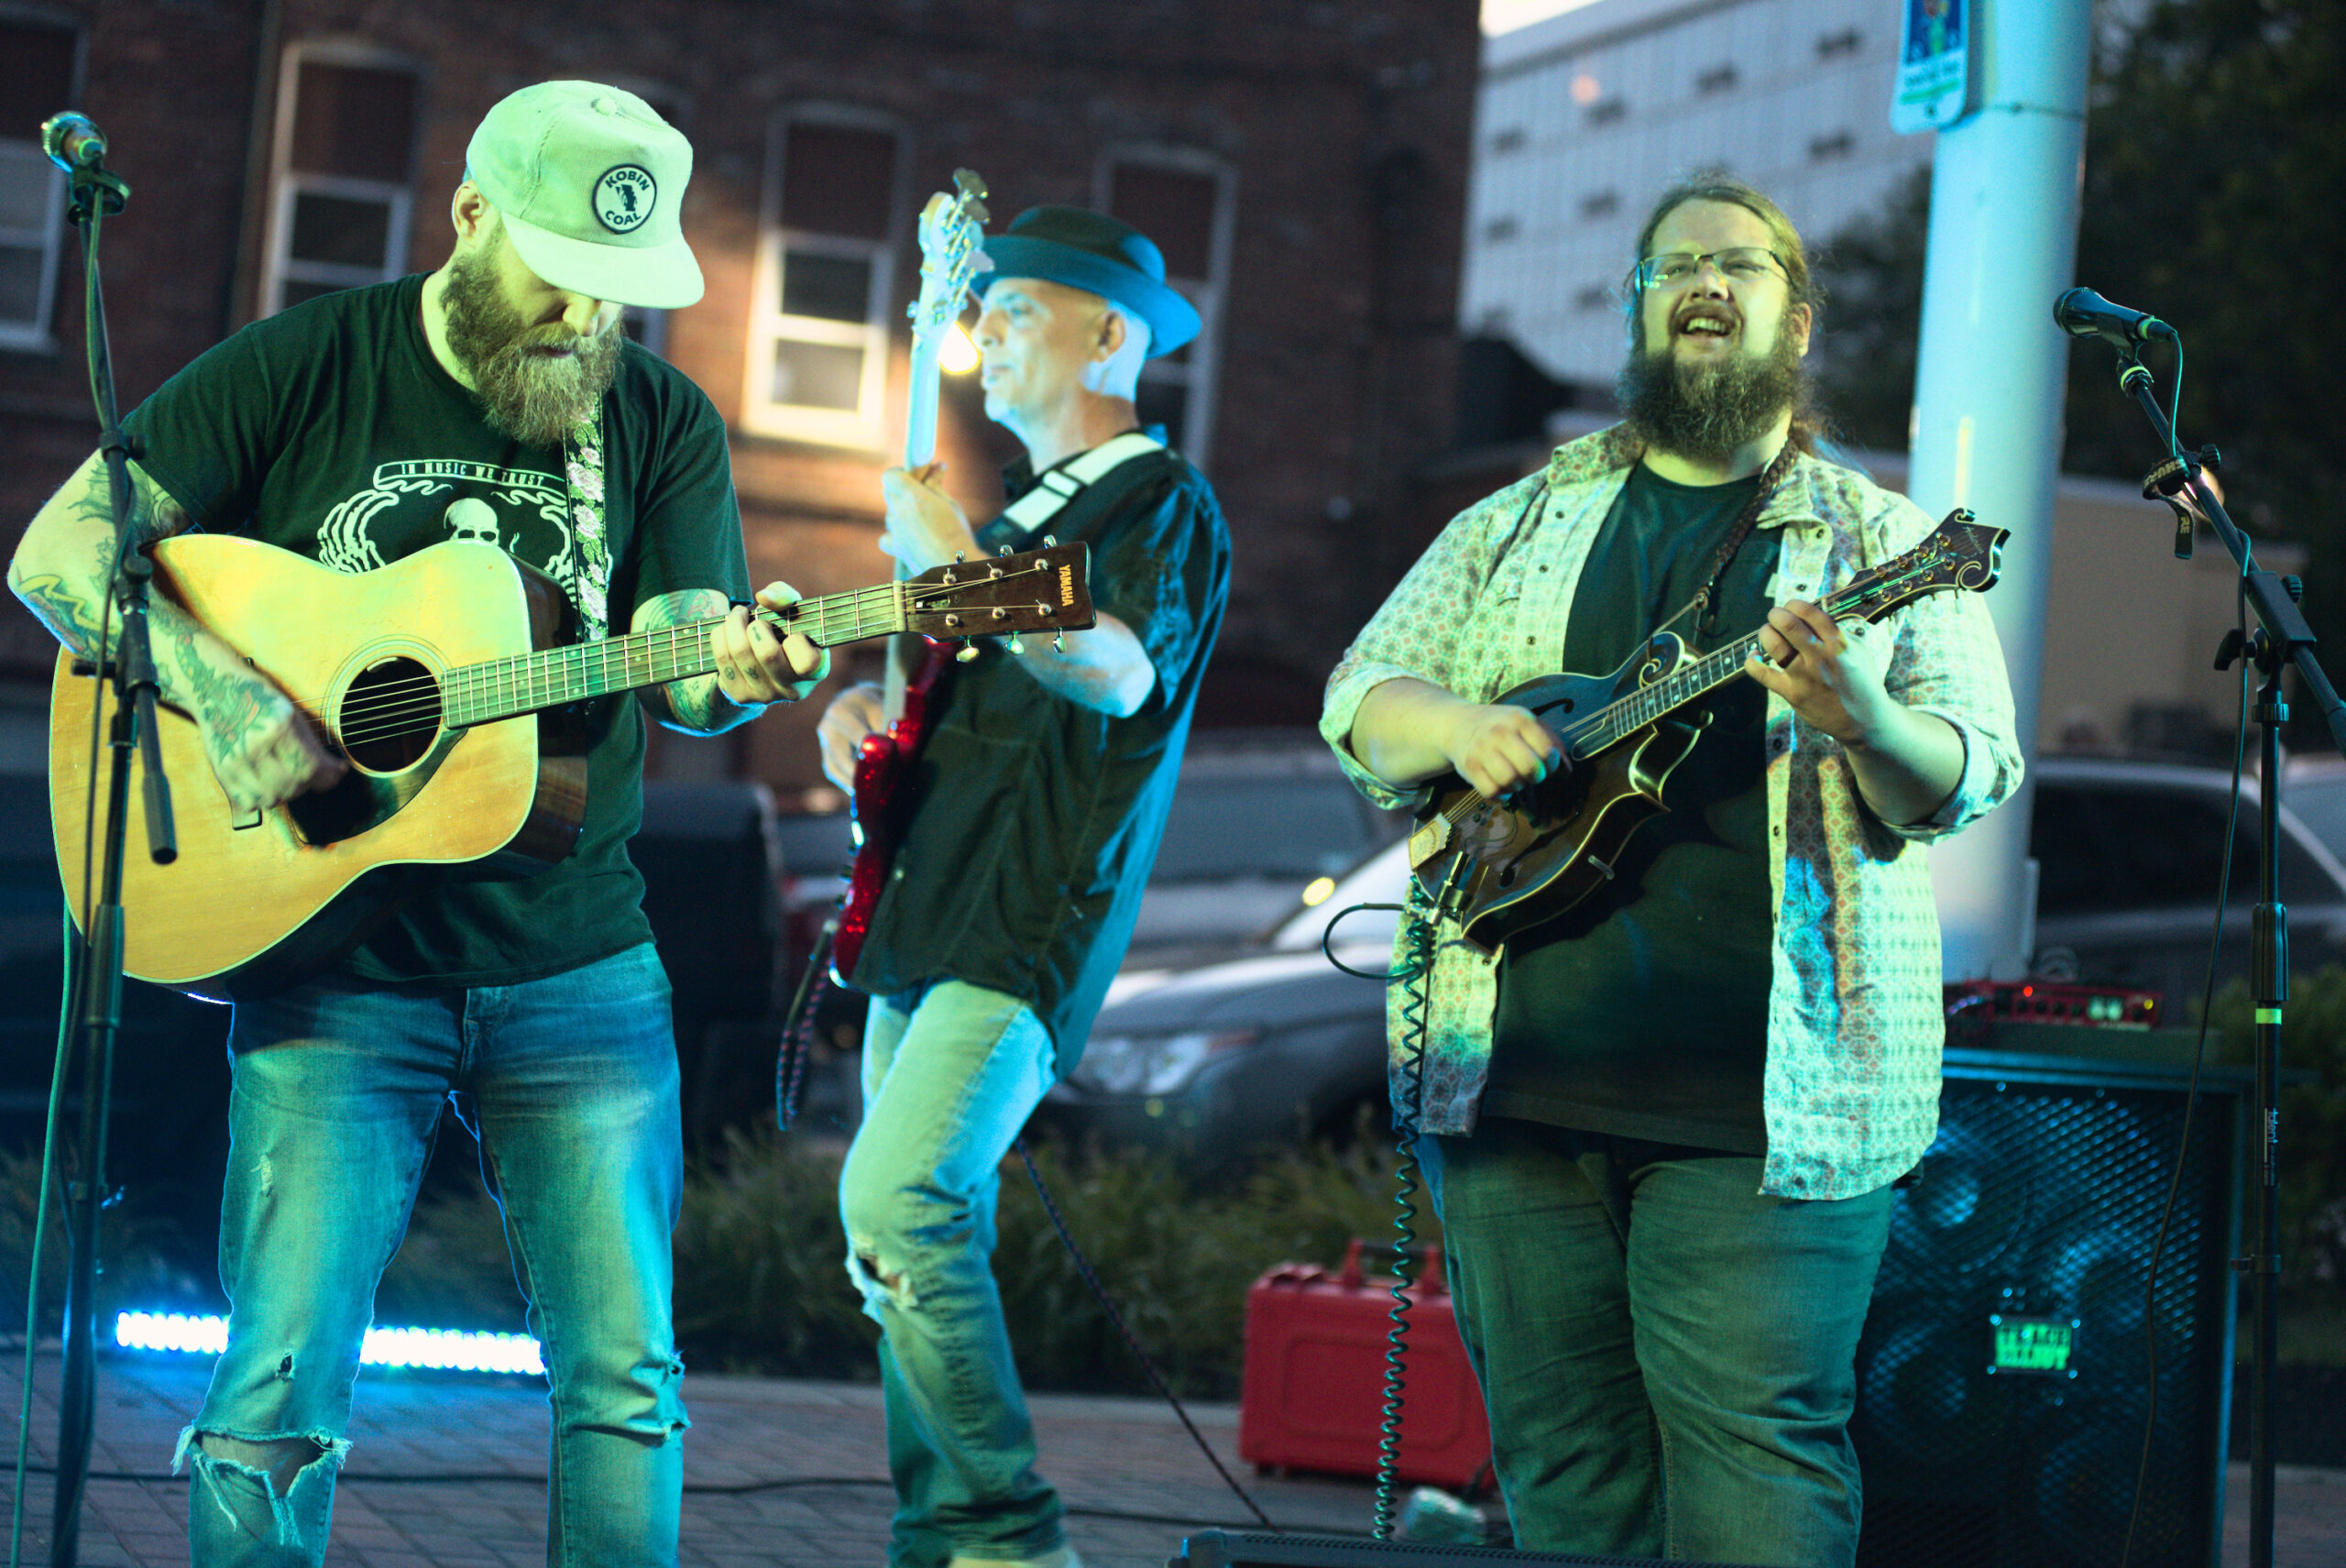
(950,1073)
(570,1082)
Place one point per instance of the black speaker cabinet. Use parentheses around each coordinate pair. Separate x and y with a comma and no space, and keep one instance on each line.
(2002,1383)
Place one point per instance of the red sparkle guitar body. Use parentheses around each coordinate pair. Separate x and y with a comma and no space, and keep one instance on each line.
(882,803)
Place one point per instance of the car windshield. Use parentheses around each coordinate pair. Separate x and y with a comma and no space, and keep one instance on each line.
(1381,878)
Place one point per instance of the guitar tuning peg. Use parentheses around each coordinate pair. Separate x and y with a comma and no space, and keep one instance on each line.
(1050,540)
(1006,550)
(969,651)
(957,557)
(1016,643)
(1059,641)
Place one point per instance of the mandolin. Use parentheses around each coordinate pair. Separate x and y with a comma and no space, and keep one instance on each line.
(1499,867)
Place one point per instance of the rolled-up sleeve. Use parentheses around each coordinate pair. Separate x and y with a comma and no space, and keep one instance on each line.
(1948,661)
(1422,632)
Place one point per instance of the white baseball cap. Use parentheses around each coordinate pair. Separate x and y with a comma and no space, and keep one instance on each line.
(590,182)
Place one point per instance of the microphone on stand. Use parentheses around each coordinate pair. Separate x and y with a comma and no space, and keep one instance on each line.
(72,141)
(2081,312)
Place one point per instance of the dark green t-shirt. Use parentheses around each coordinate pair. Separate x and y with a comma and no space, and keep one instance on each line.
(1643,1010)
(331,431)
(1038,818)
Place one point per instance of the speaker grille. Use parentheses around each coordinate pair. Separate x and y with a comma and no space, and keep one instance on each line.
(2040,1200)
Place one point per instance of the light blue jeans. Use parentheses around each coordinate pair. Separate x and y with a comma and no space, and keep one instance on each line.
(570,1082)
(1667,1356)
(950,1073)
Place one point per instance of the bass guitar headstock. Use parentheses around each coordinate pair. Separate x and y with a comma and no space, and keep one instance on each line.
(951,236)
(1036,591)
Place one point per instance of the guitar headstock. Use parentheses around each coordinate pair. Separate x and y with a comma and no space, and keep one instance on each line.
(951,233)
(1038,590)
(1958,553)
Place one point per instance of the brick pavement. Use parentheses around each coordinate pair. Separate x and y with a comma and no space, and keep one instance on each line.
(783,1475)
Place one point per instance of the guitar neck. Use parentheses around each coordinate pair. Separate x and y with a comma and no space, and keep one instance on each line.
(920,415)
(1618,721)
(529,683)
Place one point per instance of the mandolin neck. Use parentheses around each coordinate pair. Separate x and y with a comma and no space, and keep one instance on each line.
(529,683)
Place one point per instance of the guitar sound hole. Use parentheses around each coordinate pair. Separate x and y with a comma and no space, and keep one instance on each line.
(390,714)
(1506,877)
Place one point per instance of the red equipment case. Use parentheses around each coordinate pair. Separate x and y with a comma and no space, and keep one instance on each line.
(1313,1395)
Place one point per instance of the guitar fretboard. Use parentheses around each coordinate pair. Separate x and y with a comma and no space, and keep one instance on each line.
(526,683)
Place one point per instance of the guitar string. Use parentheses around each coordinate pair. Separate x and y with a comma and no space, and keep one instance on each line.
(421,703)
(1636,702)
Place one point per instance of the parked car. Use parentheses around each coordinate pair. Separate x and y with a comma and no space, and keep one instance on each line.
(1278,1045)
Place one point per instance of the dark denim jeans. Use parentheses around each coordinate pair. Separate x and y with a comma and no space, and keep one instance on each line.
(949,1076)
(1667,1356)
(571,1083)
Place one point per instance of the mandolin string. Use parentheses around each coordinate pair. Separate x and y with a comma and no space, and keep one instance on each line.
(419,703)
(1684,687)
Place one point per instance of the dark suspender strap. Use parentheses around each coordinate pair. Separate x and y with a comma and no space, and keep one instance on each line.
(1705,605)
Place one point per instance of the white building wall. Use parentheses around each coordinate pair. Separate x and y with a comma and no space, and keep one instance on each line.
(1584,118)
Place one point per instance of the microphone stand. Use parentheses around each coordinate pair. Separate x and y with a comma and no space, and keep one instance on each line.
(98,194)
(2282,638)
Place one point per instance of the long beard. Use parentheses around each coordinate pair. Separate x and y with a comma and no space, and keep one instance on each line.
(534,399)
(1709,412)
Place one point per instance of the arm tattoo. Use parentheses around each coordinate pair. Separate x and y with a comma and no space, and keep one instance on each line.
(693,703)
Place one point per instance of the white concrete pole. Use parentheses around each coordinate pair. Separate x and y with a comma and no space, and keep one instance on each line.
(1987,390)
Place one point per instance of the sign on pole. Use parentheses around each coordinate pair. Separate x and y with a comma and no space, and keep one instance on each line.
(1933,66)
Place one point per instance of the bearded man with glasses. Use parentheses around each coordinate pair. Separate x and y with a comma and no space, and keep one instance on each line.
(1663,1124)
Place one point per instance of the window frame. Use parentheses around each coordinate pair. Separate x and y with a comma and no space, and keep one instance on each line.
(37,333)
(1201,375)
(866,428)
(278,268)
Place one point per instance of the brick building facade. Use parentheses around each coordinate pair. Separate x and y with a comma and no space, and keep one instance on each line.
(1303,165)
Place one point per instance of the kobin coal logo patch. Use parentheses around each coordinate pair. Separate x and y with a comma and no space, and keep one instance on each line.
(623,198)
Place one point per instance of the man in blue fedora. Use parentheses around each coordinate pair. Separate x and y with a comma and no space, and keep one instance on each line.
(1043,789)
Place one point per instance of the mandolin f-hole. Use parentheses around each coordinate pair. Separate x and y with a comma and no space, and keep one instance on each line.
(390,714)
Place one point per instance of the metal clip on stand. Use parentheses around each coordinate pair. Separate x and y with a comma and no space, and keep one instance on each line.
(2281,639)
(76,146)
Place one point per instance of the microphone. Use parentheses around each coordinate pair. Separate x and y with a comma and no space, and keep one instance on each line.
(72,141)
(2081,312)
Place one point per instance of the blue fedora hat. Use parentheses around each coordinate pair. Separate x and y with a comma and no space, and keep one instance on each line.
(1100,255)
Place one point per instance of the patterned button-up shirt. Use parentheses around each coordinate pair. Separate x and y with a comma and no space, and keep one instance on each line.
(1854,1013)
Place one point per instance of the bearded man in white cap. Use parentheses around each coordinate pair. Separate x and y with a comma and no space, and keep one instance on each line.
(493,398)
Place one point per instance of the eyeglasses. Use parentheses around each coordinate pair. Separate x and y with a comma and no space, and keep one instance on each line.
(1742,264)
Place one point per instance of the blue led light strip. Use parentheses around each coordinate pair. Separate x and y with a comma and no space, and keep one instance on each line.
(451,1349)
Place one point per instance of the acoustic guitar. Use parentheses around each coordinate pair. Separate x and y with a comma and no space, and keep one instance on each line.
(446,682)
(1500,867)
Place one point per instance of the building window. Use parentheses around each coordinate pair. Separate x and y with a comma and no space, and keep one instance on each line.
(1596,297)
(344,175)
(1600,204)
(825,276)
(1183,201)
(1499,231)
(1832,46)
(1716,79)
(1840,143)
(1608,112)
(42,58)
(1509,140)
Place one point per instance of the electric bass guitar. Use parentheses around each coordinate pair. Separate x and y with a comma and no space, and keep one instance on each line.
(949,258)
(1500,867)
(424,676)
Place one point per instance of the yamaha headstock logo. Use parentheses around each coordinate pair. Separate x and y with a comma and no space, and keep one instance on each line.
(624,197)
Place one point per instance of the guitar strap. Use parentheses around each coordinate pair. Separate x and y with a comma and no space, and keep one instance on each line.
(1060,486)
(591,546)
(1704,606)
